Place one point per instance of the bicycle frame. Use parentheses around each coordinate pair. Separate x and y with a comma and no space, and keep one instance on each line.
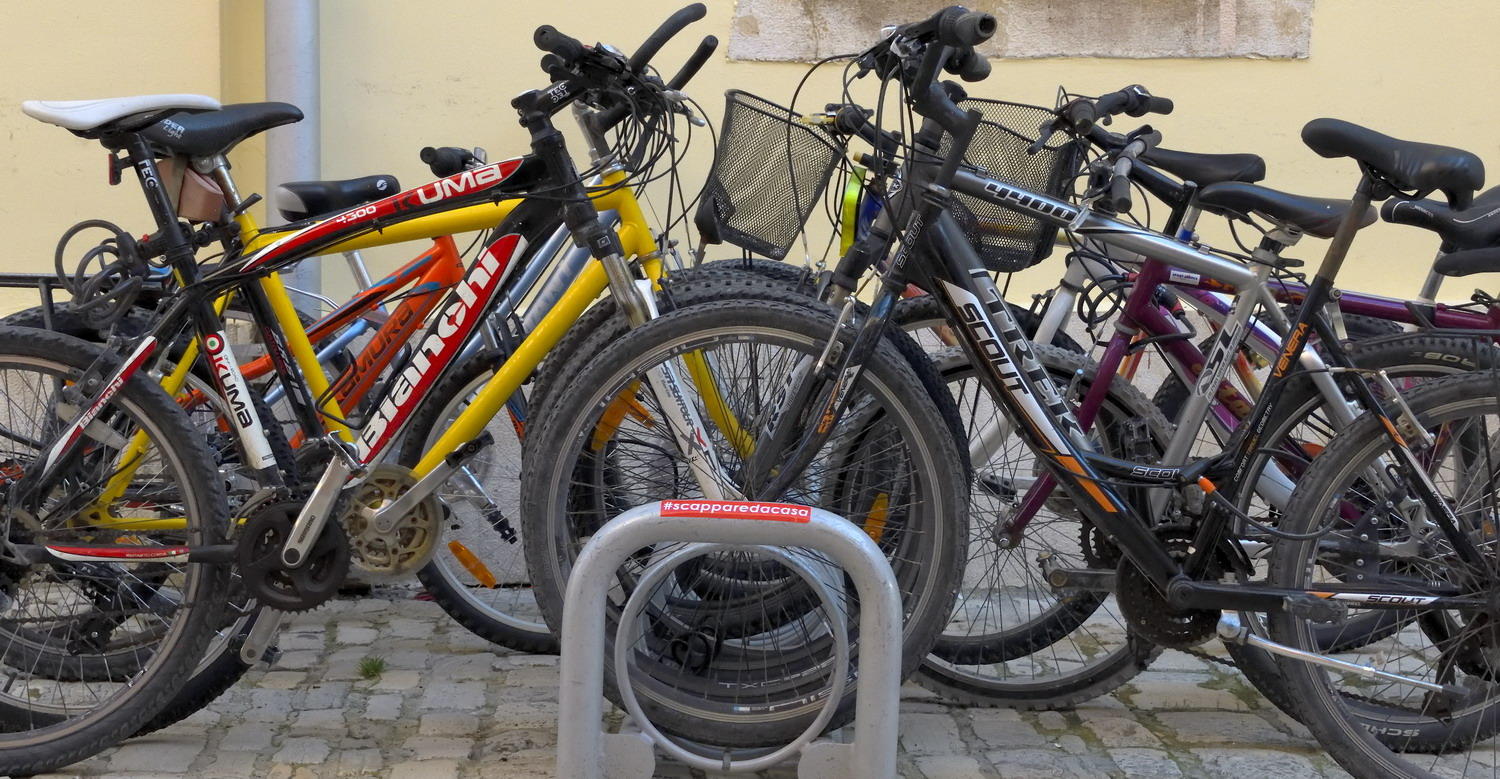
(952,271)
(281,247)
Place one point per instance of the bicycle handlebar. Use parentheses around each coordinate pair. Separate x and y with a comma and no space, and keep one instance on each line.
(566,47)
(694,63)
(673,25)
(1134,100)
(447,160)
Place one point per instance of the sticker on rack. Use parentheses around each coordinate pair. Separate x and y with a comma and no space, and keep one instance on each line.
(736,509)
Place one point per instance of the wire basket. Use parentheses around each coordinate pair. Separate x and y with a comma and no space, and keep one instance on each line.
(1006,240)
(769,175)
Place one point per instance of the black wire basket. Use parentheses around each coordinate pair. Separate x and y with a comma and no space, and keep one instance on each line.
(770,173)
(1006,240)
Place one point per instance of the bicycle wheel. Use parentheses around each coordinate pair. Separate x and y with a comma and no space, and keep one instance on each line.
(1299,430)
(1372,526)
(483,582)
(134,630)
(753,658)
(1012,640)
(221,666)
(479,575)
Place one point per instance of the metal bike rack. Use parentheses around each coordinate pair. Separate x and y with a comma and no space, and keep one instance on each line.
(585,751)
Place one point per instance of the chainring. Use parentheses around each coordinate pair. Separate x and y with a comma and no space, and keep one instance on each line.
(1147,611)
(409,544)
(270,581)
(1099,550)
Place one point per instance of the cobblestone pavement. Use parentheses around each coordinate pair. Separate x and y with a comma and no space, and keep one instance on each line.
(451,705)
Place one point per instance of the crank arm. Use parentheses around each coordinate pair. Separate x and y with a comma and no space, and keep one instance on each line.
(256,646)
(316,512)
(1086,579)
(385,519)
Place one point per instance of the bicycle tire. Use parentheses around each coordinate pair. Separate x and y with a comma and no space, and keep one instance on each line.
(39,743)
(956,668)
(1403,356)
(1342,724)
(215,674)
(549,465)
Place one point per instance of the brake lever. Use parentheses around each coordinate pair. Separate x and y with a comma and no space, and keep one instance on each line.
(1045,133)
(681,106)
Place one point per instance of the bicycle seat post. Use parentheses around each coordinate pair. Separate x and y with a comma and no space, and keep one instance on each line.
(1338,248)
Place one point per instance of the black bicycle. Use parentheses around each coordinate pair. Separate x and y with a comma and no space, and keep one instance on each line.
(1430,561)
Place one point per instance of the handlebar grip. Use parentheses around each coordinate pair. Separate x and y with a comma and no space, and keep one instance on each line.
(694,63)
(1119,194)
(853,120)
(554,67)
(1081,114)
(957,27)
(1112,103)
(664,33)
(1158,105)
(446,160)
(548,39)
(971,66)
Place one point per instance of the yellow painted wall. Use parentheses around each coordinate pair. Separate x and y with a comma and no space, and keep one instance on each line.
(399,75)
(49,178)
(392,84)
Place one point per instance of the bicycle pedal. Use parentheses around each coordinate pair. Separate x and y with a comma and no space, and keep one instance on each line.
(1087,579)
(1311,607)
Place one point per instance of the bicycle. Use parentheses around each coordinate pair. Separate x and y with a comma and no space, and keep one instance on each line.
(987,633)
(1169,575)
(316,554)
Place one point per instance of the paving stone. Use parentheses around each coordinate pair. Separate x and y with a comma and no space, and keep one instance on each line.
(425,769)
(358,762)
(930,734)
(383,707)
(250,736)
(952,767)
(397,680)
(535,677)
(540,714)
(438,747)
(453,695)
(292,641)
(405,627)
(1004,728)
(319,721)
(231,764)
(1052,720)
(282,680)
(1178,694)
(1240,763)
(327,695)
(303,751)
(1218,727)
(1037,764)
(298,661)
(1073,745)
(157,753)
(1118,730)
(1145,763)
(1172,660)
(448,723)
